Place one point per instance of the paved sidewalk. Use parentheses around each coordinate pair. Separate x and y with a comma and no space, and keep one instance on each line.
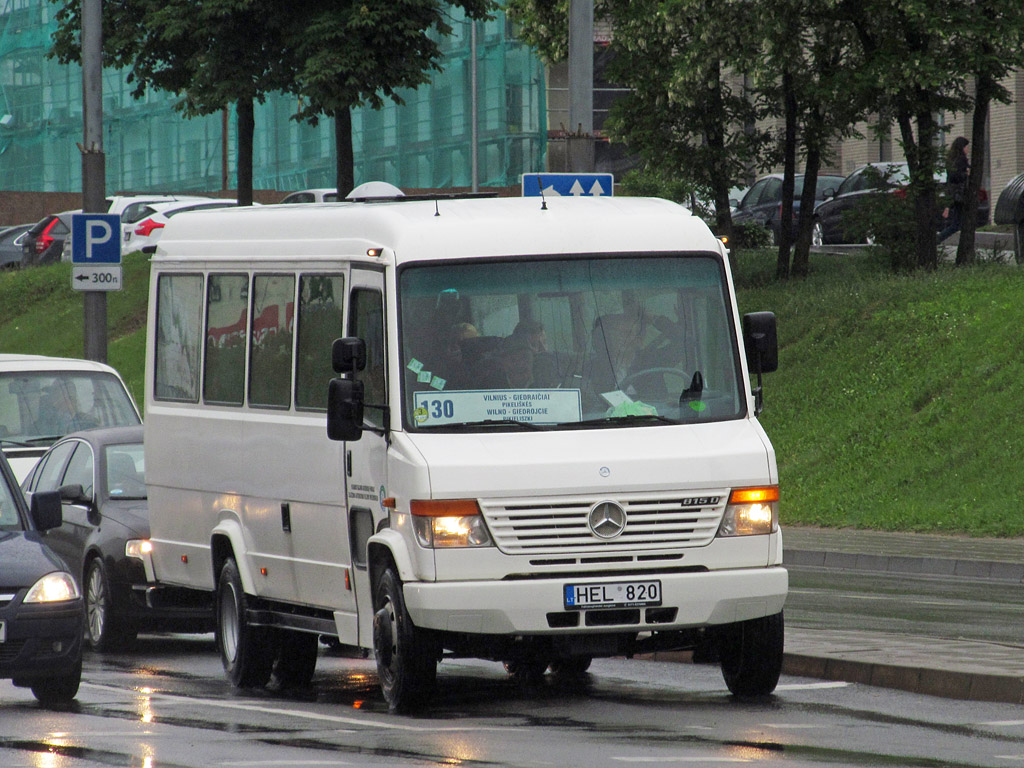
(963,669)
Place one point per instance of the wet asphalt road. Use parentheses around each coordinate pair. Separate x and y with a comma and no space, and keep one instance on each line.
(167,705)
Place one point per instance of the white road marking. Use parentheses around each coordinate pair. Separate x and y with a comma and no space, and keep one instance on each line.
(681,759)
(1002,723)
(278,711)
(794,726)
(811,686)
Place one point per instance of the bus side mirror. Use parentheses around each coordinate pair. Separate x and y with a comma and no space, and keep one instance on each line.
(46,510)
(761,342)
(344,409)
(348,355)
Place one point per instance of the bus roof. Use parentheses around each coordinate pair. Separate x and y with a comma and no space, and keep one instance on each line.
(417,230)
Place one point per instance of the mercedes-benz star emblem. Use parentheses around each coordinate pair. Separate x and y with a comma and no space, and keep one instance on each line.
(606,519)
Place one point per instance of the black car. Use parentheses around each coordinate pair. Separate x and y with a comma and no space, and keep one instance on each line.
(104,537)
(44,243)
(11,251)
(830,217)
(41,606)
(762,204)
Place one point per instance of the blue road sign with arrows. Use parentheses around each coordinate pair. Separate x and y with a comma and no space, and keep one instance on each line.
(568,184)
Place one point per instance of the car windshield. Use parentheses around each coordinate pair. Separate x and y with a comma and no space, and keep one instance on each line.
(126,471)
(10,520)
(38,407)
(567,343)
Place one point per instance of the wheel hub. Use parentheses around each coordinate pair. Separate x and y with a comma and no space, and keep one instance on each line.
(383,636)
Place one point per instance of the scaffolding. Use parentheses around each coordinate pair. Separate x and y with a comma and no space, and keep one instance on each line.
(150,147)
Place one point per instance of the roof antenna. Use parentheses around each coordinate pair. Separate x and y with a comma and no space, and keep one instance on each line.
(436,211)
(543,202)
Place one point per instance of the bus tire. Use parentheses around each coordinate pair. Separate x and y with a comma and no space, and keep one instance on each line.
(247,652)
(296,661)
(751,655)
(406,656)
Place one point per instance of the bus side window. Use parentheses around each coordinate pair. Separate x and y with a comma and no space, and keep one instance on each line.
(179,323)
(367,323)
(320,323)
(226,319)
(270,342)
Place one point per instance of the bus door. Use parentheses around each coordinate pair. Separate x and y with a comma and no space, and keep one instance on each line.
(365,459)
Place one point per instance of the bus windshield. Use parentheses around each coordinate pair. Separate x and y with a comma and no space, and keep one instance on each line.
(567,343)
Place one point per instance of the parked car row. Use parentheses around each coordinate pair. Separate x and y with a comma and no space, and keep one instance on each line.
(142,220)
(836,197)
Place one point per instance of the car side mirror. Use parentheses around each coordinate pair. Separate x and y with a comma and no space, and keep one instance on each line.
(348,355)
(46,511)
(73,493)
(345,409)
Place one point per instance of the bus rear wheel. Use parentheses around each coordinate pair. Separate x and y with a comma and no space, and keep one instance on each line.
(248,652)
(406,655)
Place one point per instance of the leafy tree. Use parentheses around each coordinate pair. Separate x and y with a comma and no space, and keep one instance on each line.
(803,74)
(544,25)
(681,111)
(988,44)
(211,54)
(906,49)
(349,54)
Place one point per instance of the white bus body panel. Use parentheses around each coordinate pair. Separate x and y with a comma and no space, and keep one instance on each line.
(218,468)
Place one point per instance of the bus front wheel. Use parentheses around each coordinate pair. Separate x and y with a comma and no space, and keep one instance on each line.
(751,655)
(406,655)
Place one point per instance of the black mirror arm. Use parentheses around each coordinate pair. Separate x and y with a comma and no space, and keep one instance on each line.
(758,390)
(385,429)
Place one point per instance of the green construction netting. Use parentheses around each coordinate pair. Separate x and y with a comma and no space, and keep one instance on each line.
(150,147)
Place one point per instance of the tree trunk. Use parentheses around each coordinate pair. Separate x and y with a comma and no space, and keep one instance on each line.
(788,181)
(343,151)
(714,134)
(246,129)
(921,156)
(983,87)
(802,250)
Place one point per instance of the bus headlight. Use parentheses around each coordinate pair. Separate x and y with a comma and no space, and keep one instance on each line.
(449,523)
(751,512)
(138,548)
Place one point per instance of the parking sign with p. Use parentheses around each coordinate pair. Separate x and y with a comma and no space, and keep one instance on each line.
(96,251)
(96,238)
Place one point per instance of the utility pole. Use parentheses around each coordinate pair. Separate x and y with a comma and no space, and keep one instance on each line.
(581,86)
(474,142)
(94,175)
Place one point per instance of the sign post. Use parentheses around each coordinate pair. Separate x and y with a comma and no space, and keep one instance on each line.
(96,252)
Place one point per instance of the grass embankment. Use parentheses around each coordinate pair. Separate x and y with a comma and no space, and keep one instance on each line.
(896,405)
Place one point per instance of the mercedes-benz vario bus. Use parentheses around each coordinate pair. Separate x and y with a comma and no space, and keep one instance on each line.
(510,429)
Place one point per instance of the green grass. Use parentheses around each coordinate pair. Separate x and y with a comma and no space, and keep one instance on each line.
(41,314)
(896,404)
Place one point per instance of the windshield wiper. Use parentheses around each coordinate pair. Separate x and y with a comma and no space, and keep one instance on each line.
(470,425)
(31,442)
(623,421)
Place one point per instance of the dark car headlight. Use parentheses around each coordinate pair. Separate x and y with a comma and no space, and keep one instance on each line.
(55,587)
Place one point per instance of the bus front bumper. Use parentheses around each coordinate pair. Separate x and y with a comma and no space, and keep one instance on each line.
(537,607)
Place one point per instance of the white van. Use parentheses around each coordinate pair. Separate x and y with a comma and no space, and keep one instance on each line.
(44,398)
(543,446)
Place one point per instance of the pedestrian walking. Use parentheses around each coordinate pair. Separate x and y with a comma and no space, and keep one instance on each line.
(957,170)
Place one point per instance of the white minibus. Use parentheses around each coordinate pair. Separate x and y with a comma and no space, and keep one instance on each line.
(511,429)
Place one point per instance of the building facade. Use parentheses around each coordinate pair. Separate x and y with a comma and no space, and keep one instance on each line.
(426,143)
